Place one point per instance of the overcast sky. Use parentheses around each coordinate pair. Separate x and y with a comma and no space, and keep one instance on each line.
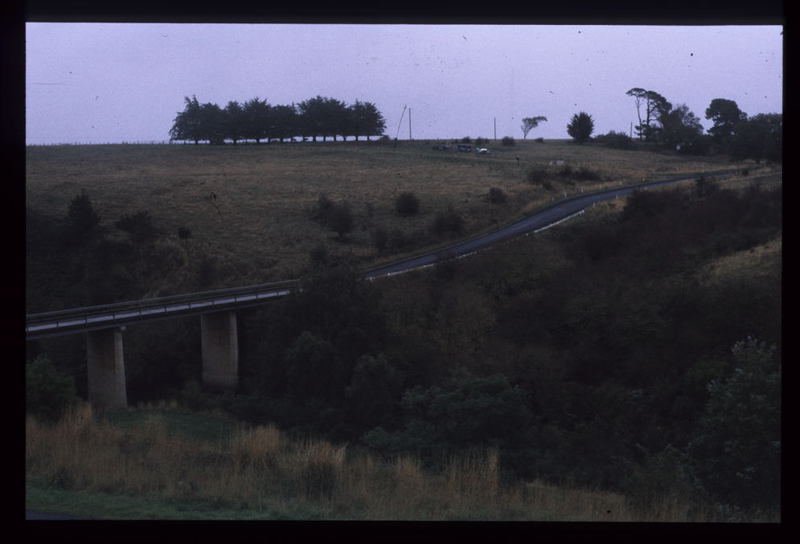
(115,82)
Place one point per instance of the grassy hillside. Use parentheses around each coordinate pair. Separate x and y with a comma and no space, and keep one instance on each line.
(635,349)
(153,467)
(259,227)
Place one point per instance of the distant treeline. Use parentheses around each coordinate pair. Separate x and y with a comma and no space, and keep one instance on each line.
(258,120)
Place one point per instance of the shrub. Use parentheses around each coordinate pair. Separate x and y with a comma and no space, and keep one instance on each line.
(448,222)
(737,449)
(481,142)
(48,393)
(380,238)
(82,219)
(407,204)
(616,140)
(337,217)
(539,140)
(496,195)
(581,127)
(466,140)
(340,219)
(508,141)
(537,175)
(139,227)
(322,209)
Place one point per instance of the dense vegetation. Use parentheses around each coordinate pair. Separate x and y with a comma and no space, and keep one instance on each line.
(600,353)
(258,120)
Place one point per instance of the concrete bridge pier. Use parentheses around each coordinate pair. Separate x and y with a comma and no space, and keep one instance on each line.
(106,369)
(220,347)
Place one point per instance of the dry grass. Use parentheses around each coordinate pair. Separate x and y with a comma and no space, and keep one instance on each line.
(260,469)
(758,262)
(263,230)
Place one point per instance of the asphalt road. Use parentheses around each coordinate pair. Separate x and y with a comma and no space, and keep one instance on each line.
(543,218)
(77,320)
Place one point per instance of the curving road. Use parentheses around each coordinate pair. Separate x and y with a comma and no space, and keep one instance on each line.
(548,216)
(114,315)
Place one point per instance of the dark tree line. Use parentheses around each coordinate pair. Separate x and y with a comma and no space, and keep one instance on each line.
(759,137)
(258,120)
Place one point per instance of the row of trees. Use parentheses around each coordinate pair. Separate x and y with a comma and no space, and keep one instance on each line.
(258,120)
(759,137)
(676,127)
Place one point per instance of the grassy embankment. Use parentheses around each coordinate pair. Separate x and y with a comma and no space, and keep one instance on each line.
(163,463)
(259,226)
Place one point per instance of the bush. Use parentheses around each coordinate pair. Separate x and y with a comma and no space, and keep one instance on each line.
(48,393)
(337,217)
(139,227)
(407,204)
(380,238)
(616,140)
(581,127)
(496,195)
(466,140)
(82,219)
(448,222)
(737,449)
(537,175)
(581,174)
(508,141)
(322,209)
(480,142)
(340,219)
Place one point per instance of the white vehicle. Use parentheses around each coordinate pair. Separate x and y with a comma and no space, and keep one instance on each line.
(482,150)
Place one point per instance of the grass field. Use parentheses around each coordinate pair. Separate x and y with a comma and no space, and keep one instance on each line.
(260,225)
(164,463)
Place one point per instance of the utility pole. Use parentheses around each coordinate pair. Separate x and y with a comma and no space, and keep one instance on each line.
(495,129)
(409,123)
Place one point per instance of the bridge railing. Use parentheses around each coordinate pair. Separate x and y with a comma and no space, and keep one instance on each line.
(131,310)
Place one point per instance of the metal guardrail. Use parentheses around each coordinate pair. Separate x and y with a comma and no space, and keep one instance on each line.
(116,314)
(108,315)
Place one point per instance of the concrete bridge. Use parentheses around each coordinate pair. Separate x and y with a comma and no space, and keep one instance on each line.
(104,325)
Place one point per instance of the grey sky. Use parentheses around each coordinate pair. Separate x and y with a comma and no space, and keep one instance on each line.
(114,82)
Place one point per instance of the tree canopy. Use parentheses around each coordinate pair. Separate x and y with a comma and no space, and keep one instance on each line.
(530,123)
(581,127)
(257,120)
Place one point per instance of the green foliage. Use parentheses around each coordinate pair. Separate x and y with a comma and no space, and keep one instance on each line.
(257,120)
(82,219)
(380,238)
(407,204)
(537,175)
(313,368)
(340,219)
(466,411)
(139,226)
(615,140)
(737,448)
(580,128)
(681,129)
(759,138)
(374,391)
(726,115)
(448,223)
(530,123)
(48,393)
(497,195)
(336,216)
